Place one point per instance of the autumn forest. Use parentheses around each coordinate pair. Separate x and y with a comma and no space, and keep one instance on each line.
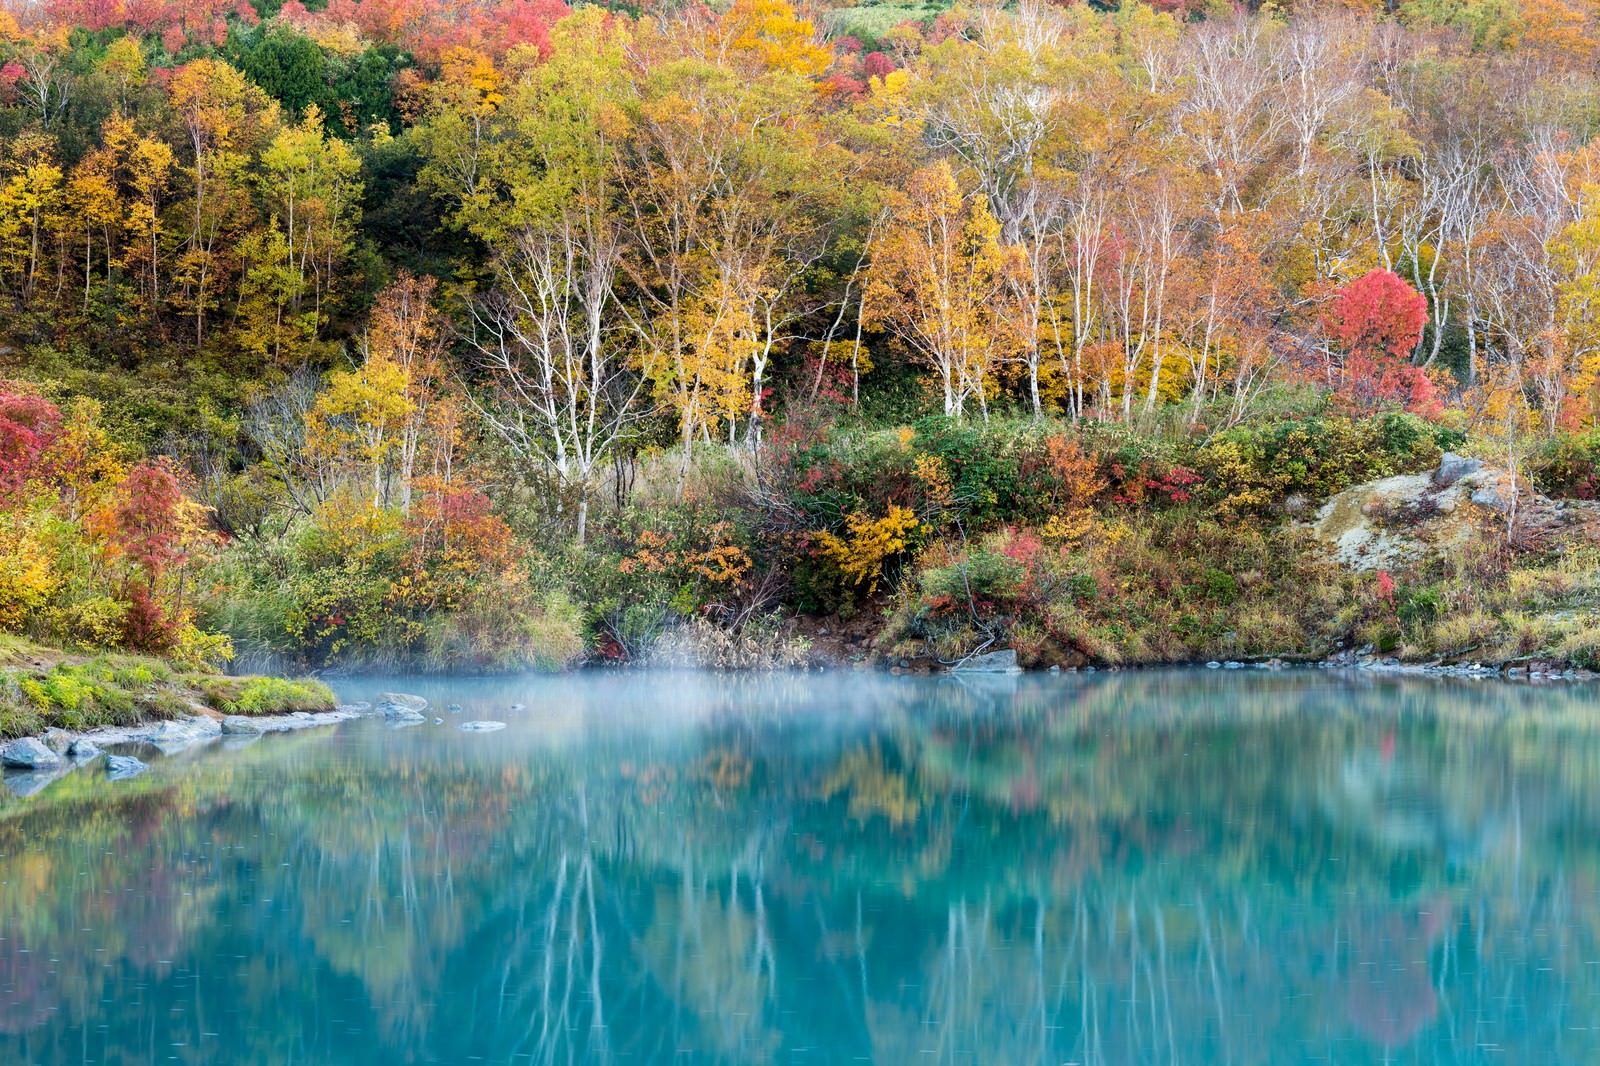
(498,334)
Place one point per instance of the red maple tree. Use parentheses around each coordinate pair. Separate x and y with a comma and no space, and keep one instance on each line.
(1377,320)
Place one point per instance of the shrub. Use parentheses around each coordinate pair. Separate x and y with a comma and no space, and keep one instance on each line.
(1569,466)
(497,631)
(96,622)
(1252,467)
(696,643)
(872,544)
(195,649)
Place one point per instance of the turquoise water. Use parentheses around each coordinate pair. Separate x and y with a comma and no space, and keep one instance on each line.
(1180,867)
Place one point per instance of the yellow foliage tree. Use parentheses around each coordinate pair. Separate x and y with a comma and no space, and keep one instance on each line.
(938,283)
(360,416)
(777,37)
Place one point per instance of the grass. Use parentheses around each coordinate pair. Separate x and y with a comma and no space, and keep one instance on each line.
(45,688)
(869,23)
(265,695)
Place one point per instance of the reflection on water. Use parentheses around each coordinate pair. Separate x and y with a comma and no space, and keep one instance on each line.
(1145,868)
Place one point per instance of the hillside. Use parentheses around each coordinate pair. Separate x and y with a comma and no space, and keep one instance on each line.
(505,335)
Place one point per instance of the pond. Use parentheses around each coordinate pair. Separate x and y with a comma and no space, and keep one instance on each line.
(1170,867)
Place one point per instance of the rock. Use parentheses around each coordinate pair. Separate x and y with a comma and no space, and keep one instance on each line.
(82,749)
(173,732)
(179,733)
(359,707)
(994,662)
(1452,468)
(1495,496)
(1213,665)
(58,740)
(454,708)
(237,725)
(28,754)
(1396,521)
(122,767)
(481,727)
(402,707)
(438,721)
(1295,505)
(517,706)
(1231,665)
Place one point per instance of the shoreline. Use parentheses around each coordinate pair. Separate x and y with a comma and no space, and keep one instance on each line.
(117,749)
(120,751)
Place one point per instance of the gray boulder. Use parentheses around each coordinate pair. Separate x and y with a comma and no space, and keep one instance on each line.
(402,707)
(167,732)
(82,749)
(237,725)
(1496,497)
(1453,467)
(481,727)
(994,662)
(28,754)
(180,733)
(58,740)
(122,767)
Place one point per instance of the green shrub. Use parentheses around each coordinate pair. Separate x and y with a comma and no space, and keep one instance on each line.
(1569,466)
(266,695)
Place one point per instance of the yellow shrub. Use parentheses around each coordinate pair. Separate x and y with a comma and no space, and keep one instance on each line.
(872,542)
(25,577)
(1068,528)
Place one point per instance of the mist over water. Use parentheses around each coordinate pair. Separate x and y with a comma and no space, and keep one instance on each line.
(1173,867)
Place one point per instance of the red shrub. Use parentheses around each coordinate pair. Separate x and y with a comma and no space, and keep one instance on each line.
(28,425)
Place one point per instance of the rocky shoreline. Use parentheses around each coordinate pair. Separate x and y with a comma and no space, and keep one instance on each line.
(30,764)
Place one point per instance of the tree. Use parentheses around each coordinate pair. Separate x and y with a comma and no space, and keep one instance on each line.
(223,117)
(150,530)
(1377,320)
(31,195)
(550,330)
(775,36)
(405,329)
(938,282)
(360,416)
(311,184)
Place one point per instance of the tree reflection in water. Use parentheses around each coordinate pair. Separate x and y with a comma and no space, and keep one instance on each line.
(1145,868)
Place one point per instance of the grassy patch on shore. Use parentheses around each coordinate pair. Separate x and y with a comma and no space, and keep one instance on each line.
(265,695)
(46,688)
